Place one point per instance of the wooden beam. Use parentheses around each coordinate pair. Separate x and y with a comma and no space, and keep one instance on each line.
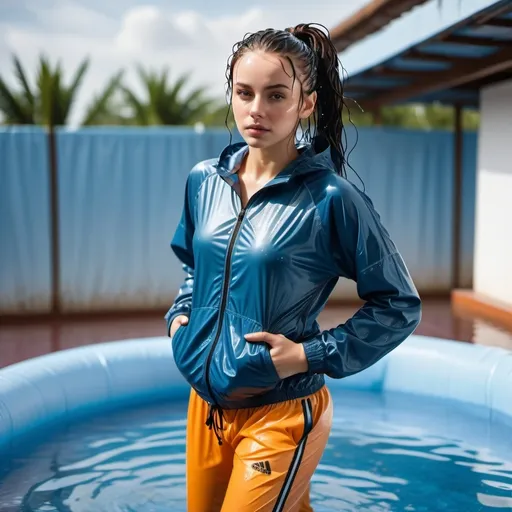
(457,197)
(364,87)
(54,221)
(477,41)
(502,23)
(398,73)
(485,17)
(433,57)
(487,308)
(376,14)
(459,74)
(369,19)
(406,74)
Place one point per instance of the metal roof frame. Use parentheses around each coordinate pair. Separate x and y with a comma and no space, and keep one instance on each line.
(450,67)
(369,19)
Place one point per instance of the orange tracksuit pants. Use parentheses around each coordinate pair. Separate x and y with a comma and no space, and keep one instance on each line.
(267,456)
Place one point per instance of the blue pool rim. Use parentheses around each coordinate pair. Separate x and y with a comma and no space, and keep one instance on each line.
(62,386)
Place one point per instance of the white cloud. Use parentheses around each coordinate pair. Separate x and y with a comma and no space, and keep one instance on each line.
(73,18)
(149,29)
(229,29)
(183,40)
(191,23)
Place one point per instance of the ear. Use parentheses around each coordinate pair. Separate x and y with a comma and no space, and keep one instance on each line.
(308,107)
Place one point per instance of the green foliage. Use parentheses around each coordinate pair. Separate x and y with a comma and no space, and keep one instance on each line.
(50,102)
(413,116)
(166,103)
(220,116)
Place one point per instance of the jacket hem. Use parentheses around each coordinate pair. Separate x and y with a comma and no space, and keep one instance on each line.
(274,396)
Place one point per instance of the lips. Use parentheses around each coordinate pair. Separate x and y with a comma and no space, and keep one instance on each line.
(257,127)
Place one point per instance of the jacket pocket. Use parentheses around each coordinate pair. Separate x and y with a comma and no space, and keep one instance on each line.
(177,332)
(240,369)
(190,345)
(175,338)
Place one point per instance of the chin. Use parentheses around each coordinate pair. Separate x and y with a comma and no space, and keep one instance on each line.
(259,143)
(267,141)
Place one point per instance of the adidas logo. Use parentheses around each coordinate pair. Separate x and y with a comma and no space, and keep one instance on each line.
(262,467)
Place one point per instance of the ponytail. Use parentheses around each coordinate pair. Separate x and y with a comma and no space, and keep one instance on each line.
(329,89)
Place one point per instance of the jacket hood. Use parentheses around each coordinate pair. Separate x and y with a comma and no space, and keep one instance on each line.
(313,157)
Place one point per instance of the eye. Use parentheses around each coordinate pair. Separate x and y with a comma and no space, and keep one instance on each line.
(243,93)
(277,96)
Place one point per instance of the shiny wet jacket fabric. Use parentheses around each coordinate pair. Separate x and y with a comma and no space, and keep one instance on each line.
(271,266)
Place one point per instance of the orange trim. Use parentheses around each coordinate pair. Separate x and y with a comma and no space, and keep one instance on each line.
(487,308)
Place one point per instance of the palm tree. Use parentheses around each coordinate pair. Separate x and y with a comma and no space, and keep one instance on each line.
(165,103)
(50,102)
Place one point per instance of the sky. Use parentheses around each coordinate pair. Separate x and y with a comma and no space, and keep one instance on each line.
(193,37)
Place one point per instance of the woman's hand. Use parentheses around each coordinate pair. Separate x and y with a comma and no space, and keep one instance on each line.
(177,323)
(288,357)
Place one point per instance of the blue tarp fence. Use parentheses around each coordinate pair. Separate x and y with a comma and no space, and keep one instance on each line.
(121,193)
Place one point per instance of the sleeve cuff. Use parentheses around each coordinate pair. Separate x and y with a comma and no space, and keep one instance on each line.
(315,354)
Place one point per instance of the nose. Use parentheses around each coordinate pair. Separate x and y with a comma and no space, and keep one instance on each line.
(256,108)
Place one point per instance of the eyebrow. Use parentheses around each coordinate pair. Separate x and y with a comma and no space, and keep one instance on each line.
(276,86)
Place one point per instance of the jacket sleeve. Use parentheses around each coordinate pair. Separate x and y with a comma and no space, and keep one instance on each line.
(181,244)
(364,252)
(183,301)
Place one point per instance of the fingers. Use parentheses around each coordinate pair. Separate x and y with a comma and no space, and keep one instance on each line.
(177,323)
(267,337)
(181,320)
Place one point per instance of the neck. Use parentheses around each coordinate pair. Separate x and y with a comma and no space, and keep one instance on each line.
(263,164)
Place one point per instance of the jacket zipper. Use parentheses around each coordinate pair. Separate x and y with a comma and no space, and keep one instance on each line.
(225,288)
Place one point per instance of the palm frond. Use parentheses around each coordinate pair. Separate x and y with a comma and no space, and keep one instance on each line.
(139,109)
(67,95)
(176,89)
(13,108)
(62,98)
(99,105)
(20,75)
(79,75)
(165,102)
(45,85)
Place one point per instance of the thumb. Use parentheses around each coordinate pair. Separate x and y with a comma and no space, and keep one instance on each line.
(184,320)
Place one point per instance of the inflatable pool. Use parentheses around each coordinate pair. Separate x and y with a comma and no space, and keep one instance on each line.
(102,427)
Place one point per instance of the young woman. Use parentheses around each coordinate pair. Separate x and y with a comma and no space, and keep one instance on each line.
(266,231)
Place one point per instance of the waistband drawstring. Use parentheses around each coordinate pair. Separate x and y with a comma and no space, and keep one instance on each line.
(215,420)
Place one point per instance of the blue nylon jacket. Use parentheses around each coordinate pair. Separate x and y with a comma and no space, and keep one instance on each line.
(271,267)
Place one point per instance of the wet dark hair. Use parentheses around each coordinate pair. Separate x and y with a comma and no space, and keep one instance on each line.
(312,50)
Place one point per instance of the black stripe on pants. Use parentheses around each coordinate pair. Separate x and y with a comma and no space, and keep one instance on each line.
(307,410)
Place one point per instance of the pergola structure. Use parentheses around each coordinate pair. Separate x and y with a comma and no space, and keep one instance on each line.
(368,20)
(449,67)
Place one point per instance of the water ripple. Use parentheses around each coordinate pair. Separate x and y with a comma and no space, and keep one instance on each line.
(383,456)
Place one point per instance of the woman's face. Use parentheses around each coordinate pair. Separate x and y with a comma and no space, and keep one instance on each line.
(266,99)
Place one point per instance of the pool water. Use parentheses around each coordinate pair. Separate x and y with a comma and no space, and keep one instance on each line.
(387,452)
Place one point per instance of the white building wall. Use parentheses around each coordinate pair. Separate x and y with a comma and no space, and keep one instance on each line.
(493,222)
